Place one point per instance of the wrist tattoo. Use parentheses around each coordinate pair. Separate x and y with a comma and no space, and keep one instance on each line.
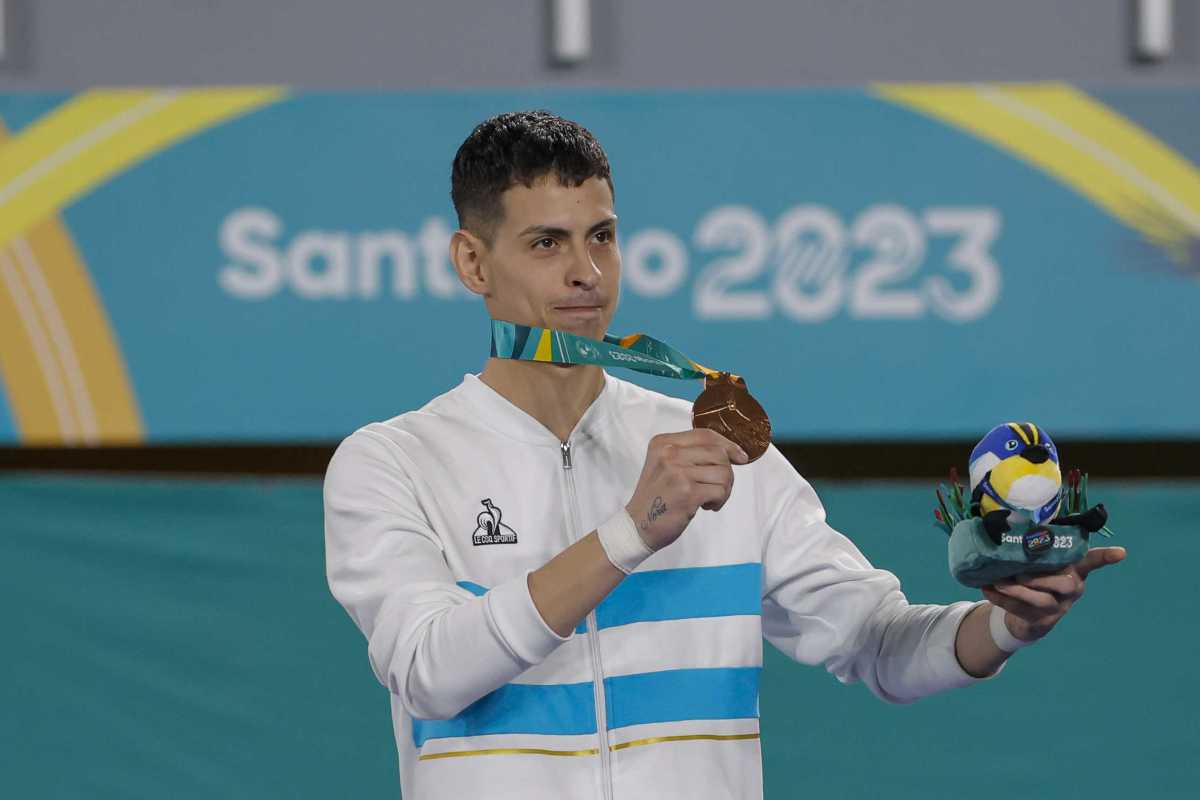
(657,509)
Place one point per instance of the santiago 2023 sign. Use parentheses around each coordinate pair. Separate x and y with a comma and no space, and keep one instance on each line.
(256,264)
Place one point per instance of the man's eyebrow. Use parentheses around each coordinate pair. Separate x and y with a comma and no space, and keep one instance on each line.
(550,230)
(544,230)
(608,221)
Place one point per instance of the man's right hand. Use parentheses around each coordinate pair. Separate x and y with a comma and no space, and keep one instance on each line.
(683,473)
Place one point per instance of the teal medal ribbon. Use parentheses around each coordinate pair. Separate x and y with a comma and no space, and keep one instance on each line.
(724,406)
(638,351)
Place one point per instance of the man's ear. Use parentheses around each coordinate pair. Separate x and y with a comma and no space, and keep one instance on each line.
(467,255)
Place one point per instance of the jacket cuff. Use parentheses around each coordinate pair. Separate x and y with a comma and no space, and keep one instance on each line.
(944,664)
(519,623)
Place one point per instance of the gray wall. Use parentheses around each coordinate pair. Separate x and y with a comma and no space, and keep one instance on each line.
(68,44)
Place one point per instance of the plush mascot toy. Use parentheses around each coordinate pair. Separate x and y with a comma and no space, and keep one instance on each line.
(1018,518)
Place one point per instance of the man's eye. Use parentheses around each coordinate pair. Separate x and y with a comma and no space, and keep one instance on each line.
(544,243)
(604,236)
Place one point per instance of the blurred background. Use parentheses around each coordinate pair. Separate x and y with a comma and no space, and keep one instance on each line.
(223,231)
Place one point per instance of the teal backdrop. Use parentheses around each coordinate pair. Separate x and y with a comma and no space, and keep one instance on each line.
(879,262)
(176,638)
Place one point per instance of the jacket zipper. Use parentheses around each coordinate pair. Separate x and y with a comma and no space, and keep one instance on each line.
(593,639)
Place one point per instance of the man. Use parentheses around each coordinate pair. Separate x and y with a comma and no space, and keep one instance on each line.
(564,586)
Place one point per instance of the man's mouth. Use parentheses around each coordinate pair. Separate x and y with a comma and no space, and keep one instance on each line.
(579,310)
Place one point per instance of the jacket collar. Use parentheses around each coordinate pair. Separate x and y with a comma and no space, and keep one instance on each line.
(495,412)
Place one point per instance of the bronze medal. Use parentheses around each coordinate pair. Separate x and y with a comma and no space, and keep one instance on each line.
(726,407)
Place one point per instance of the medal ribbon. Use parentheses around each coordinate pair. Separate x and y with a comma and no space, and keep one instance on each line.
(637,351)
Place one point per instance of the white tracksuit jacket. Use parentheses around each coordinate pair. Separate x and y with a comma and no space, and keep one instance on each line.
(434,518)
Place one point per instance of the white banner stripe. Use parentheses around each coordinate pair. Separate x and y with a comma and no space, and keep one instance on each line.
(41,348)
(75,147)
(1128,171)
(61,339)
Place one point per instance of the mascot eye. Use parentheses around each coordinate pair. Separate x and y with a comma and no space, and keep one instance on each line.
(1011,444)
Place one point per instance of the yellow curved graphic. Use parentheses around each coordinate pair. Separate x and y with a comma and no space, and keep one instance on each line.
(59,358)
(1080,142)
(60,362)
(97,135)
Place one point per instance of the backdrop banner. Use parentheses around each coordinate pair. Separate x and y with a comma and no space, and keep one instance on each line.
(257,264)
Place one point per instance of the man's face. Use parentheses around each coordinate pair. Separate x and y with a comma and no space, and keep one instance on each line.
(553,261)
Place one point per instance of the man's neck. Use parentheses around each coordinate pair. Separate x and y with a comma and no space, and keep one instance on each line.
(554,395)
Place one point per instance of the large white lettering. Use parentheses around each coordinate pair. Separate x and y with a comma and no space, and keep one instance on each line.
(319,265)
(247,237)
(334,265)
(649,247)
(374,249)
(817,265)
(808,265)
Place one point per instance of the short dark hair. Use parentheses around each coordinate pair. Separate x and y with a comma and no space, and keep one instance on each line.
(519,147)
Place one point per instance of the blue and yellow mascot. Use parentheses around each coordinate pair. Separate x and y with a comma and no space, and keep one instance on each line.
(1018,517)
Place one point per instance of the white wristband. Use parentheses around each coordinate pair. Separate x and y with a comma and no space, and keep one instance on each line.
(1001,635)
(622,543)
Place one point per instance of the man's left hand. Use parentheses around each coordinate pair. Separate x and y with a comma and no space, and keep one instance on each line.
(1035,603)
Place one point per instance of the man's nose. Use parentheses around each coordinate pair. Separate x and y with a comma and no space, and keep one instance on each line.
(584,271)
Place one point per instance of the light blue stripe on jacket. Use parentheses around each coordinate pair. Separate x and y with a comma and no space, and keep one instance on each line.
(687,593)
(563,709)
(666,594)
(664,696)
(680,694)
(568,709)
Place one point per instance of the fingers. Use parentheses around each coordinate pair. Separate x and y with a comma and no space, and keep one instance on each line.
(1068,583)
(700,455)
(716,475)
(711,486)
(1041,602)
(1064,584)
(1037,620)
(1017,608)
(703,438)
(1099,557)
(711,497)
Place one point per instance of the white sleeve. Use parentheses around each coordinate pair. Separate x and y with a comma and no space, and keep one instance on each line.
(432,643)
(823,602)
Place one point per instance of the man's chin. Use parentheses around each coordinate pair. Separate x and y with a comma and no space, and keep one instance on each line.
(594,328)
